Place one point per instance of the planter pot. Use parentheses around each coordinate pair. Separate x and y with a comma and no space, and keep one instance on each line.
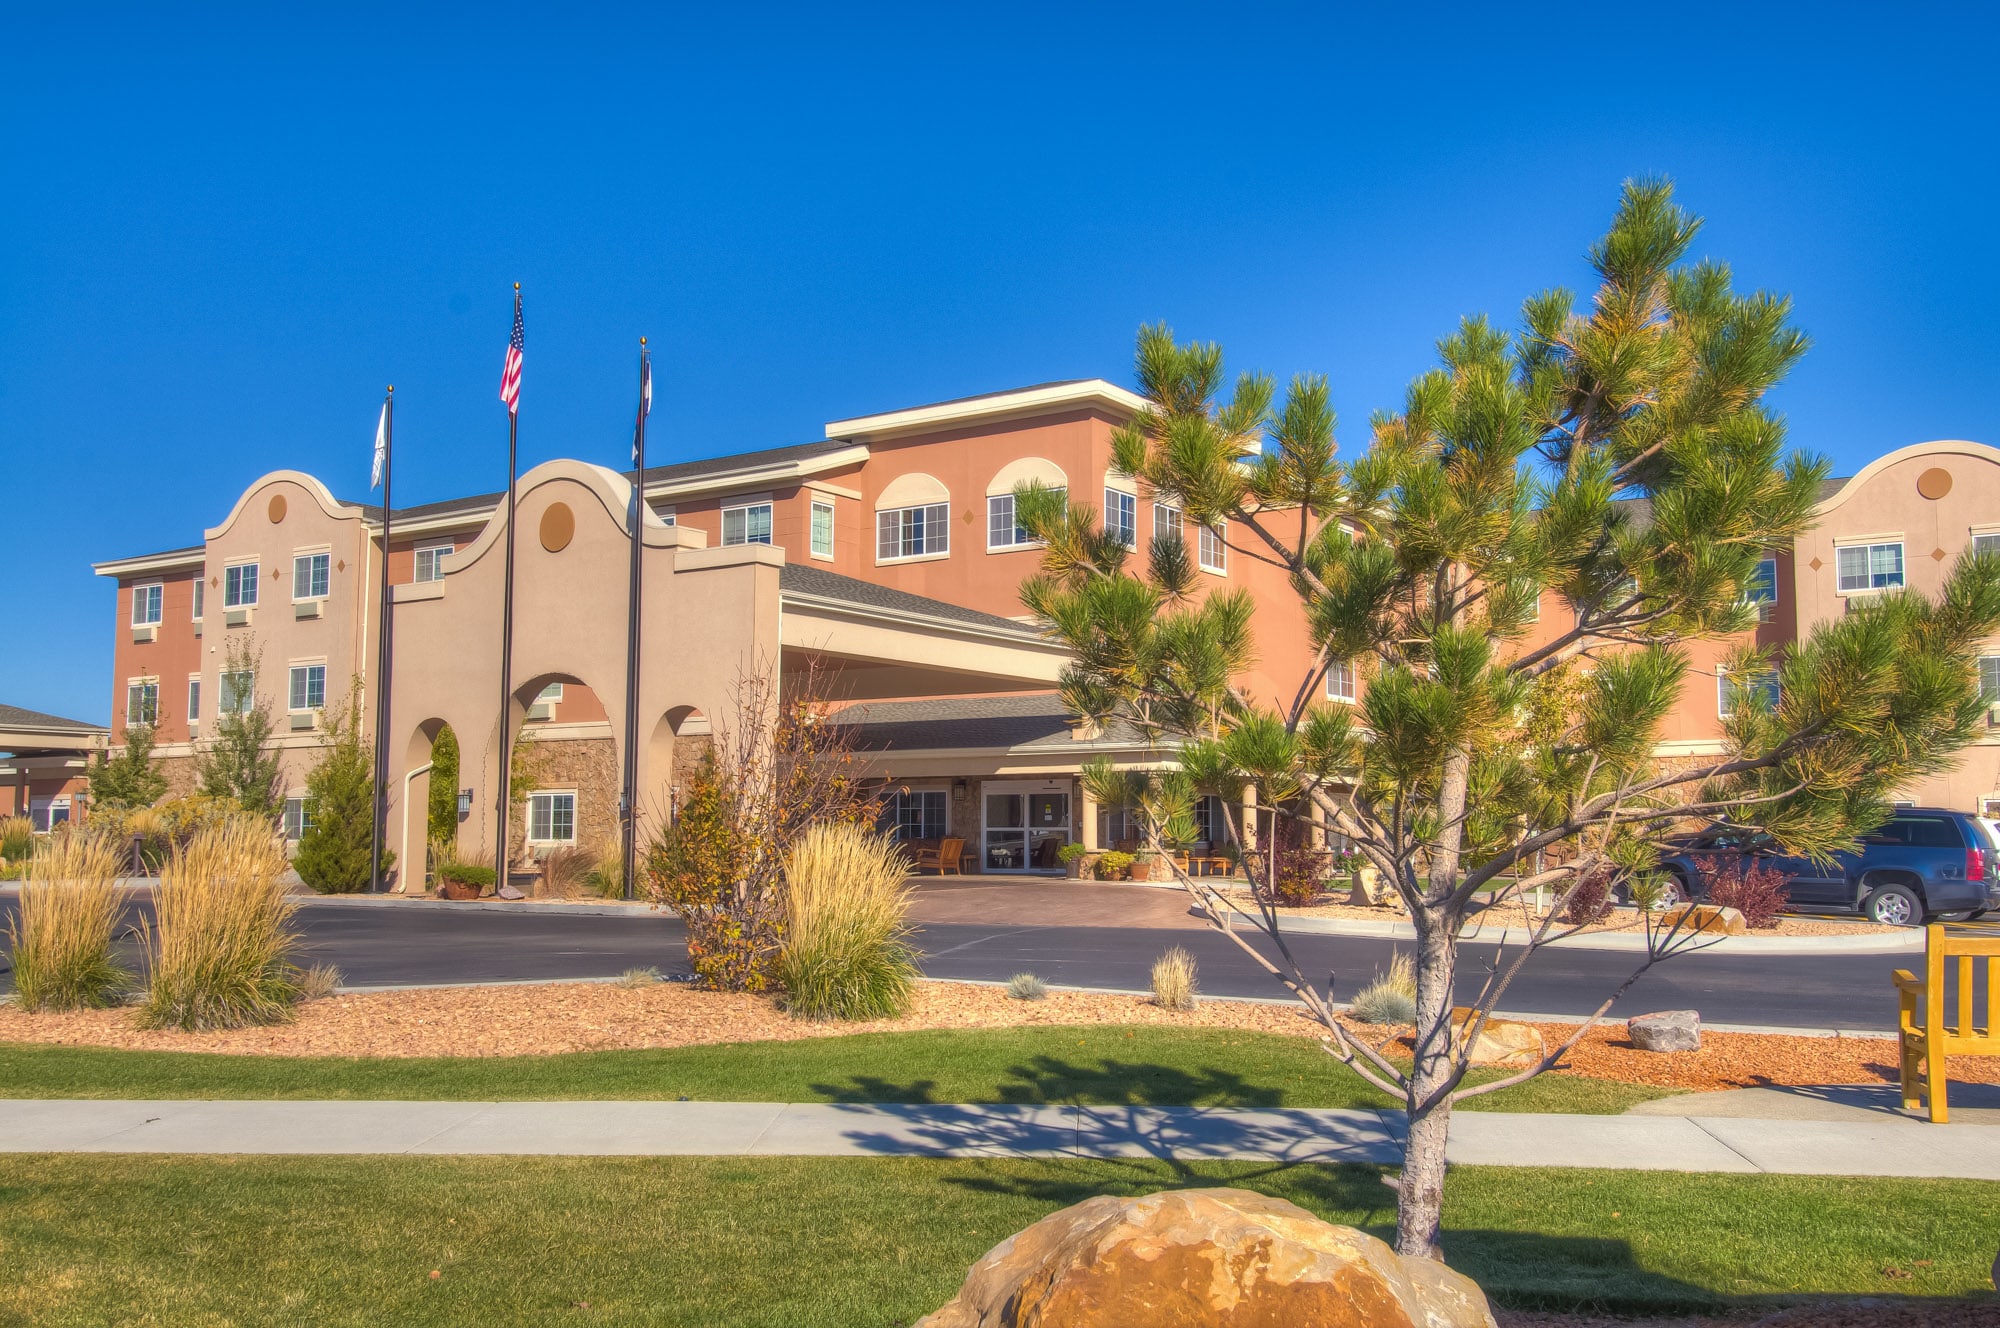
(449,889)
(1081,869)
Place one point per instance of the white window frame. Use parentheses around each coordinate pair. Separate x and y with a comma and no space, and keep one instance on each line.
(820,505)
(1127,506)
(317,567)
(547,798)
(896,818)
(1216,536)
(1767,608)
(200,598)
(227,691)
(1341,681)
(1867,549)
(148,599)
(194,701)
(1000,515)
(936,520)
(668,516)
(1725,694)
(437,554)
(149,690)
(297,822)
(1173,521)
(1986,541)
(1989,692)
(742,512)
(293,679)
(247,575)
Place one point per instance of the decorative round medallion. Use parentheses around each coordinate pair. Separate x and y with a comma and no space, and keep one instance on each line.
(277,508)
(1934,483)
(558,527)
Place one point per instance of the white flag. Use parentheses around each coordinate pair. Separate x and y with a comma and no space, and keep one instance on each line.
(645,402)
(381,447)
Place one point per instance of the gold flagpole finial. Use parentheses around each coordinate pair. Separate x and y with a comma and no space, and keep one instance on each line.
(517,286)
(392,389)
(642,343)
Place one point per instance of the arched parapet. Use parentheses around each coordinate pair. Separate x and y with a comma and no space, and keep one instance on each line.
(308,485)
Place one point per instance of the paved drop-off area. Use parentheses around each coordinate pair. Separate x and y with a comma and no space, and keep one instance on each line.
(1883,1147)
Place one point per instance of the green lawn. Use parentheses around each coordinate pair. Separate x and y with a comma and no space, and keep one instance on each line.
(1097,1064)
(813,1243)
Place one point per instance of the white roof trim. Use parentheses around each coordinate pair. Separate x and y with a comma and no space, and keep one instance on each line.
(147,564)
(996,406)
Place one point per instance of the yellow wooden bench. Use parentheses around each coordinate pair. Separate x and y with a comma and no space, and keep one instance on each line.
(1928,1044)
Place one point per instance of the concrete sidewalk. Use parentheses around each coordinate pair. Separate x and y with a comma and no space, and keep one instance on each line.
(1888,1146)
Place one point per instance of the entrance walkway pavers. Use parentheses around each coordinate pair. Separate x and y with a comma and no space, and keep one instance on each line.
(1885,1146)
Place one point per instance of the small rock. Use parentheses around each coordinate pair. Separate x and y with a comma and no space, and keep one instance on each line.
(509,892)
(1666,1030)
(1703,919)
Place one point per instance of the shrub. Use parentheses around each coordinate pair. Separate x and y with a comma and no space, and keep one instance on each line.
(1390,998)
(606,876)
(1027,987)
(1589,900)
(641,977)
(220,949)
(1112,866)
(335,854)
(1069,853)
(318,982)
(17,838)
(441,813)
(465,873)
(61,940)
(1757,893)
(1174,980)
(845,953)
(241,762)
(566,871)
(1301,869)
(128,779)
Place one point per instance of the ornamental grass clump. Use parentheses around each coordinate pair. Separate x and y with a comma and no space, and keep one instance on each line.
(220,950)
(60,942)
(17,839)
(1027,987)
(846,954)
(1174,980)
(1391,998)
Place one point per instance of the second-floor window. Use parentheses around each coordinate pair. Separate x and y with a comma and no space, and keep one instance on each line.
(194,700)
(430,562)
(310,572)
(146,604)
(1213,554)
(913,532)
(1166,520)
(1730,688)
(1866,567)
(238,693)
(308,687)
(1340,680)
(1986,543)
(1121,517)
(142,702)
(822,531)
(200,594)
(747,525)
(1989,679)
(239,585)
(1002,531)
(1762,588)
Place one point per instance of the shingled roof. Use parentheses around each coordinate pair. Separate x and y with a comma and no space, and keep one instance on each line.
(805,579)
(16,717)
(971,723)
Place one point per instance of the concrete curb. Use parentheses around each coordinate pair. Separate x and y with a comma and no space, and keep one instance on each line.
(1868,943)
(606,910)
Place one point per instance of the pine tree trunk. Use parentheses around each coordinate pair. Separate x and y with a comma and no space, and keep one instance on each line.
(1420,1192)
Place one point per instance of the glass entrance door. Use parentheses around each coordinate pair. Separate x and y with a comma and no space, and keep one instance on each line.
(1024,827)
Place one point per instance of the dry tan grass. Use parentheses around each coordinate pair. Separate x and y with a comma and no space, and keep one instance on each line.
(846,952)
(1174,986)
(61,941)
(220,951)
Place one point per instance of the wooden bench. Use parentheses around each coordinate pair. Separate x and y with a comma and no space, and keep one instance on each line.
(946,857)
(1928,1044)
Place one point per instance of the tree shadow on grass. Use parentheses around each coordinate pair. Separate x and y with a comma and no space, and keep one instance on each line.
(1050,1080)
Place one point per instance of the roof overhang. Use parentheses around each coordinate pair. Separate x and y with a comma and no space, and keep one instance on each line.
(996,406)
(882,652)
(152,564)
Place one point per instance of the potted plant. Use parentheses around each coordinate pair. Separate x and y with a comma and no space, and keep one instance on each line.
(1149,866)
(1077,860)
(462,880)
(1113,866)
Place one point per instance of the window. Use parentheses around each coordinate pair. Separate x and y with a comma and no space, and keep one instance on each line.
(914,532)
(194,700)
(667,515)
(146,604)
(1340,680)
(917,814)
(1001,530)
(1213,554)
(1916,832)
(1986,543)
(45,814)
(747,525)
(200,594)
(142,702)
(1121,517)
(1727,689)
(1762,588)
(309,575)
(1865,567)
(822,529)
(308,687)
(1210,821)
(1989,679)
(238,693)
(1117,825)
(297,820)
(430,562)
(552,818)
(239,585)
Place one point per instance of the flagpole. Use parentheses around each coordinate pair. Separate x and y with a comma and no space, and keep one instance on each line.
(507,639)
(628,809)
(386,656)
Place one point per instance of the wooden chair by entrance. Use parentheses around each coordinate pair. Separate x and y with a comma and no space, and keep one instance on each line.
(1928,1044)
(946,857)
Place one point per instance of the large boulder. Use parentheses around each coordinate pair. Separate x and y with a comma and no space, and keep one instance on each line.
(1218,1258)
(1705,920)
(1500,1041)
(1666,1030)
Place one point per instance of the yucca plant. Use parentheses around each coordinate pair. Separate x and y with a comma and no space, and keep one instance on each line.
(220,951)
(61,940)
(846,953)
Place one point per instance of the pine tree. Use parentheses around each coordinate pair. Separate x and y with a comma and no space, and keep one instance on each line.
(337,841)
(241,762)
(127,780)
(1614,457)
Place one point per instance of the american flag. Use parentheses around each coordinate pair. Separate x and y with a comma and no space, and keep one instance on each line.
(510,377)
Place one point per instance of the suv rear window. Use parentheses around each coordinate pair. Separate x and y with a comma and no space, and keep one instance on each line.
(1919,832)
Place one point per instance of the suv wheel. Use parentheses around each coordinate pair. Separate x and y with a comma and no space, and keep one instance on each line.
(1894,906)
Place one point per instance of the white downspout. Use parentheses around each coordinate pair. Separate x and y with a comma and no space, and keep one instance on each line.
(403,871)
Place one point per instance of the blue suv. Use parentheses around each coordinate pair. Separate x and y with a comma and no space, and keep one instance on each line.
(1921,862)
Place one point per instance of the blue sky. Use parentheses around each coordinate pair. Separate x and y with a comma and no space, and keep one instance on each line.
(221,233)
